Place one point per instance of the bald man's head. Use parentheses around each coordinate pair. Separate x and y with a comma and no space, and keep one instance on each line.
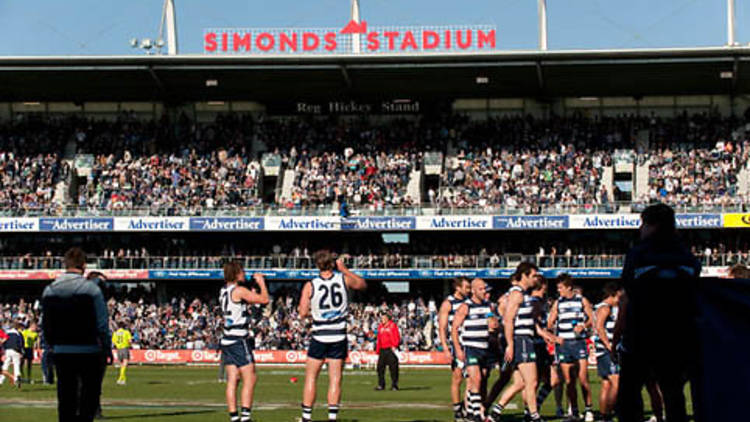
(478,289)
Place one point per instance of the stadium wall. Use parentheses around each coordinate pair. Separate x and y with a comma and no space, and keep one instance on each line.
(205,111)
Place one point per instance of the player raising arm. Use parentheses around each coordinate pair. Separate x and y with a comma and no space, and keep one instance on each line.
(236,348)
(325,299)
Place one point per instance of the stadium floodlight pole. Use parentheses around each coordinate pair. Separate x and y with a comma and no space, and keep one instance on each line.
(355,18)
(171,28)
(730,23)
(542,12)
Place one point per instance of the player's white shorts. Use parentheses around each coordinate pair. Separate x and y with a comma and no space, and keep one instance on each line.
(12,358)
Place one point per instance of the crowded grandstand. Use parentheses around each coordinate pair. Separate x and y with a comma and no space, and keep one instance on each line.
(515,164)
(214,209)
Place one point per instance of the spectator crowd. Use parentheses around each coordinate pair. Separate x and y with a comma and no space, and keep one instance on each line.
(696,177)
(357,179)
(183,185)
(526,180)
(196,324)
(185,167)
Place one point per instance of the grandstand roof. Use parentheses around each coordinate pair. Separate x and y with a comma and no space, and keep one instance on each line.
(266,78)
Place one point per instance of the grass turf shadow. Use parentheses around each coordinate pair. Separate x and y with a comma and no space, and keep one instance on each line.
(161,414)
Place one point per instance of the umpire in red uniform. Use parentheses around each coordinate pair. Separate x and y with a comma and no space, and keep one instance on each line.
(388,340)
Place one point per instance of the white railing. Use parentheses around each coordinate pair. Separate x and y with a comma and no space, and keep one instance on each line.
(275,210)
(391,261)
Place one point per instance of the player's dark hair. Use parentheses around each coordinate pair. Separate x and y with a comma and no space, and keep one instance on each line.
(661,217)
(231,270)
(458,281)
(610,289)
(739,271)
(566,280)
(324,260)
(75,258)
(525,268)
(539,282)
(93,274)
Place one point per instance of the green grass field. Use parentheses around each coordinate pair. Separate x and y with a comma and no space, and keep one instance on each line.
(178,393)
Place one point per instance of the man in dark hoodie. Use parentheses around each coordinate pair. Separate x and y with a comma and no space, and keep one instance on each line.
(655,328)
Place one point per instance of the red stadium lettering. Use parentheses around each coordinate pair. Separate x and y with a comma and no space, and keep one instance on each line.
(310,41)
(224,41)
(409,41)
(268,45)
(488,38)
(463,44)
(241,41)
(331,43)
(210,42)
(286,41)
(373,42)
(391,35)
(430,40)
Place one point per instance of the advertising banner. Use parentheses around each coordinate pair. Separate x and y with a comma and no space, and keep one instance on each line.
(151,224)
(52,274)
(76,224)
(387,274)
(737,220)
(698,221)
(18,224)
(227,223)
(379,223)
(605,221)
(359,223)
(531,222)
(454,222)
(278,357)
(303,223)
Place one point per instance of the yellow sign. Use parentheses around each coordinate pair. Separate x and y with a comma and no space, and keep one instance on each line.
(737,220)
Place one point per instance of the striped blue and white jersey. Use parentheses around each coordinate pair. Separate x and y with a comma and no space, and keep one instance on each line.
(524,324)
(455,304)
(476,325)
(570,312)
(236,317)
(609,327)
(330,308)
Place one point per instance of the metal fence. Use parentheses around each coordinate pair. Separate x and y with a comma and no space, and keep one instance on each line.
(273,210)
(355,262)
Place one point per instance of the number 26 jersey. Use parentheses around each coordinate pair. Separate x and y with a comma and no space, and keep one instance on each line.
(330,308)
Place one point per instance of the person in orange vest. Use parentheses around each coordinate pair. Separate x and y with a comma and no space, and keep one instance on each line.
(388,340)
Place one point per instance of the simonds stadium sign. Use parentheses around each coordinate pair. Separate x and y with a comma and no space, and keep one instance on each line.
(354,38)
